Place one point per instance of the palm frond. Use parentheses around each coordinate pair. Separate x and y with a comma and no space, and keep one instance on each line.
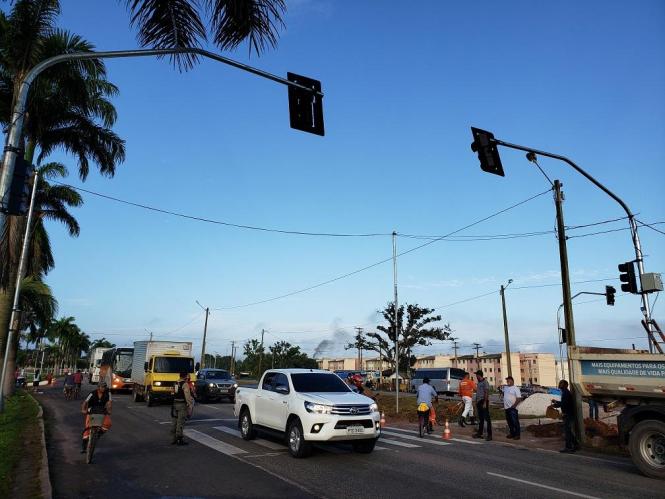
(168,24)
(29,22)
(257,21)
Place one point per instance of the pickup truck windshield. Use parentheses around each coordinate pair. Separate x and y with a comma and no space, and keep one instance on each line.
(318,382)
(174,365)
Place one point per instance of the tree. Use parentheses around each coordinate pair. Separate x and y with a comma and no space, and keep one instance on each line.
(253,351)
(101,343)
(360,343)
(415,331)
(285,355)
(179,23)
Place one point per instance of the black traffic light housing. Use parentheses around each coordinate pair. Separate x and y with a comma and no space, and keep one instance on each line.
(305,108)
(564,336)
(609,294)
(485,145)
(627,276)
(19,191)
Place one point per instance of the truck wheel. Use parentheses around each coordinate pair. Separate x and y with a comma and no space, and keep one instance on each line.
(364,446)
(149,398)
(647,447)
(298,447)
(137,397)
(247,430)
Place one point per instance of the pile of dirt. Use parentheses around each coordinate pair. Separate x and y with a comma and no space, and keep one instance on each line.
(595,428)
(548,430)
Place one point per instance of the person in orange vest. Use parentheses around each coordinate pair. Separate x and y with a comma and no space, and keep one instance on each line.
(466,389)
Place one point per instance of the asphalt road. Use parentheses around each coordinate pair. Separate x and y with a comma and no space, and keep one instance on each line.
(135,459)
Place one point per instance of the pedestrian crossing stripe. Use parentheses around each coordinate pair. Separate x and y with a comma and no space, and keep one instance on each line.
(213,443)
(461,440)
(259,441)
(413,437)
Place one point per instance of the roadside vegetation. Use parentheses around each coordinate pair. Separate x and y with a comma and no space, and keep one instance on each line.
(17,423)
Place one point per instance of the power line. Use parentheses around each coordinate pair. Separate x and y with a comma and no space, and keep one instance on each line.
(219,222)
(376,264)
(652,228)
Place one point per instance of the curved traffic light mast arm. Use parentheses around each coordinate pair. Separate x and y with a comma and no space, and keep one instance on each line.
(646,309)
(12,147)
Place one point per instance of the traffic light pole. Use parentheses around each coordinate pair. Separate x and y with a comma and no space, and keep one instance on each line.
(396,323)
(13,320)
(15,131)
(646,308)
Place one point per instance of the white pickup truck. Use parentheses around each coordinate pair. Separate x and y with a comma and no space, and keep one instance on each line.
(307,405)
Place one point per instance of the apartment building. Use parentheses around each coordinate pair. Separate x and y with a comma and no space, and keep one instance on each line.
(432,361)
(339,364)
(538,369)
(494,366)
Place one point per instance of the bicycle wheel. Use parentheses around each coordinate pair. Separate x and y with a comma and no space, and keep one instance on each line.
(92,441)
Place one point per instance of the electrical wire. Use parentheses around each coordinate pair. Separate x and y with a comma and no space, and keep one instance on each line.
(220,222)
(376,264)
(651,226)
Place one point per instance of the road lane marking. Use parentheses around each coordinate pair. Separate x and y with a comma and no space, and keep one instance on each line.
(378,447)
(563,491)
(417,439)
(397,442)
(259,441)
(461,440)
(213,443)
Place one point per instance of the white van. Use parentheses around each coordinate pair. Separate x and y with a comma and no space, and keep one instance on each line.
(444,380)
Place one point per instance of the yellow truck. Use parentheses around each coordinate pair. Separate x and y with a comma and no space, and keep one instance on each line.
(156,368)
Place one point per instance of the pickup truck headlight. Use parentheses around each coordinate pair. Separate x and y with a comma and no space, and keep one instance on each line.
(318,408)
(373,408)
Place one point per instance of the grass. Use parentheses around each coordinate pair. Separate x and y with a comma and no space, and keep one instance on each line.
(19,418)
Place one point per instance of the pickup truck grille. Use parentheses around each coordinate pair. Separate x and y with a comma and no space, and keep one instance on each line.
(342,424)
(350,410)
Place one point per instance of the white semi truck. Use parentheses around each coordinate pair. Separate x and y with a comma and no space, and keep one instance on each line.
(94,362)
(633,380)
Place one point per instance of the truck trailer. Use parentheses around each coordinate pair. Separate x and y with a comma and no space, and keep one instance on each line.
(94,363)
(635,382)
(156,368)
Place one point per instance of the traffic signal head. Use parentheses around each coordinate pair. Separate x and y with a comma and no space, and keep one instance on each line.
(19,191)
(627,276)
(305,108)
(609,294)
(564,336)
(485,145)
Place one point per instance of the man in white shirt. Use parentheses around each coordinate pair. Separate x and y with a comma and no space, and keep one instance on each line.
(511,397)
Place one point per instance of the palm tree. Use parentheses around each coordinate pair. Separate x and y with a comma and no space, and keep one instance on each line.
(179,23)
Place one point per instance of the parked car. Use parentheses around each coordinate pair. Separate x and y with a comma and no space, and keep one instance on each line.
(215,384)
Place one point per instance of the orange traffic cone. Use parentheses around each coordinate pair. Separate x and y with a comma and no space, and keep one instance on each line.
(383,419)
(446,432)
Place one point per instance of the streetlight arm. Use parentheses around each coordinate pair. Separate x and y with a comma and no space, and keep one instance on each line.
(576,167)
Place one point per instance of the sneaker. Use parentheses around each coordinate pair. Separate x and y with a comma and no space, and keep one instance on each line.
(182,442)
(477,435)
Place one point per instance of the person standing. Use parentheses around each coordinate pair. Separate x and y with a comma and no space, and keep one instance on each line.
(181,409)
(483,406)
(567,405)
(593,409)
(511,397)
(466,389)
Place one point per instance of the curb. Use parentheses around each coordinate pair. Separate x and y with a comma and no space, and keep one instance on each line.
(44,475)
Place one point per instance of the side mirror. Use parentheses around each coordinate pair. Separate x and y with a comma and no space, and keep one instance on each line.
(282,390)
(145,367)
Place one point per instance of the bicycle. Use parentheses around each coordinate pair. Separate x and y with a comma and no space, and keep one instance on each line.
(424,426)
(95,422)
(77,391)
(68,392)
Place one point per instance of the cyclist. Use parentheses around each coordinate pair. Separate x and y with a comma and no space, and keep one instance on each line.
(426,394)
(97,402)
(78,379)
(69,385)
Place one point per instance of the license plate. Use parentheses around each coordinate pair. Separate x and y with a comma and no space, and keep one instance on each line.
(354,430)
(224,390)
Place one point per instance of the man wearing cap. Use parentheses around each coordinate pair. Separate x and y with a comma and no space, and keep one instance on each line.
(181,409)
(483,406)
(511,397)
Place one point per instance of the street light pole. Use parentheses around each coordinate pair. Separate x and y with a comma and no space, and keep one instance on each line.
(15,130)
(505,327)
(261,355)
(396,322)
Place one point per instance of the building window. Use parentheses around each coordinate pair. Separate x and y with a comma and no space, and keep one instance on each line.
(491,379)
(490,369)
(535,380)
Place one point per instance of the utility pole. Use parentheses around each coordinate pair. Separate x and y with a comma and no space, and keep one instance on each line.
(359,339)
(568,307)
(505,327)
(205,331)
(233,357)
(396,322)
(263,331)
(477,346)
(455,347)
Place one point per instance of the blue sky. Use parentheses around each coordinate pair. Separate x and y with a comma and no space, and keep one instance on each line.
(402,87)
